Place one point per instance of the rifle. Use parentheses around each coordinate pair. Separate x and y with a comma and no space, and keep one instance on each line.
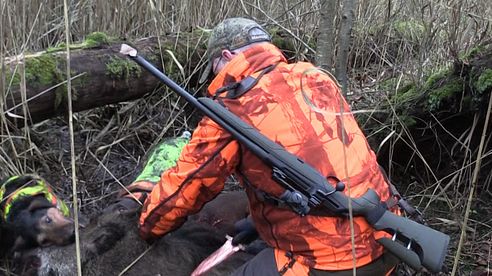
(413,243)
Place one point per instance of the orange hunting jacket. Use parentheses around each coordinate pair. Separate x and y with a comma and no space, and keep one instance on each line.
(301,109)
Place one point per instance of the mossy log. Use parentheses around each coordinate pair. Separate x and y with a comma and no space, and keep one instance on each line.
(462,88)
(103,76)
(441,115)
(450,98)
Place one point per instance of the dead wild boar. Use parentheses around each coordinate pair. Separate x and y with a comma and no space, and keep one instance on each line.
(111,243)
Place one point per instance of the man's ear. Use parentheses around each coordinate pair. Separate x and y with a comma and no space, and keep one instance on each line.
(39,204)
(227,55)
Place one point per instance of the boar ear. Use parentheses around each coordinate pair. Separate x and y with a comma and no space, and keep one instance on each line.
(39,204)
(19,244)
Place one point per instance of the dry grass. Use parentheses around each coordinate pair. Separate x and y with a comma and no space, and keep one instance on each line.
(404,40)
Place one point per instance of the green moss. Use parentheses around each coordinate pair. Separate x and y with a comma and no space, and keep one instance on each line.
(410,30)
(59,48)
(157,56)
(53,49)
(407,120)
(96,39)
(409,87)
(92,40)
(47,70)
(60,95)
(43,70)
(80,81)
(392,84)
(12,78)
(437,97)
(441,87)
(170,68)
(404,100)
(61,91)
(360,30)
(406,95)
(484,82)
(388,84)
(435,79)
(203,34)
(471,53)
(119,68)
(39,71)
(282,42)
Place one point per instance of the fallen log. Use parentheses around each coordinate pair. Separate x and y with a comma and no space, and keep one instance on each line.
(100,76)
(462,88)
(443,116)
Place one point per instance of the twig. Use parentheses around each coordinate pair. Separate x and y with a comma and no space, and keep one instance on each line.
(72,142)
(472,189)
(412,144)
(285,29)
(7,271)
(342,91)
(114,177)
(136,260)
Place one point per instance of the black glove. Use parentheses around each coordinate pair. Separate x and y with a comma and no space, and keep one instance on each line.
(246,232)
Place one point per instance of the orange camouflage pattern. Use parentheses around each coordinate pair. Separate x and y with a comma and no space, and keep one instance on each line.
(275,106)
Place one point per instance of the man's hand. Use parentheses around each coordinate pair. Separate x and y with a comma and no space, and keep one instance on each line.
(137,191)
(122,204)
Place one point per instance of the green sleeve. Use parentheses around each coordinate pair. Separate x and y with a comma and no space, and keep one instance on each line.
(164,156)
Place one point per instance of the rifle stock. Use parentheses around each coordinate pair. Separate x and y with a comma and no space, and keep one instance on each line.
(415,244)
(427,244)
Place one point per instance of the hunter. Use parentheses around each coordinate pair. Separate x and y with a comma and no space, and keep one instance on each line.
(300,108)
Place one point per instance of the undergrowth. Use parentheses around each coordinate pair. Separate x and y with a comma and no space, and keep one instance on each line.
(396,46)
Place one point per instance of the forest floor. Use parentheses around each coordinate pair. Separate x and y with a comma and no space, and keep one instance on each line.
(111,145)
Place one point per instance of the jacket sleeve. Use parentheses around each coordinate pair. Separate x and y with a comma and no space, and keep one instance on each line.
(198,177)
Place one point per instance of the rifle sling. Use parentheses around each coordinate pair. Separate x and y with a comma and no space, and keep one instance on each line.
(237,89)
(397,199)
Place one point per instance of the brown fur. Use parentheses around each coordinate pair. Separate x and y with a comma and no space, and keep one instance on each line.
(222,212)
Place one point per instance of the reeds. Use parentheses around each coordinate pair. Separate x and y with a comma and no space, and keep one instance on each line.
(405,40)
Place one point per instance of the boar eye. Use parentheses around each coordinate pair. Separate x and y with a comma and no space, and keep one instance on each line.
(47,220)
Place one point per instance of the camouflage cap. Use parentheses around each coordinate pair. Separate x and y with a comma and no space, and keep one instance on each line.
(231,34)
